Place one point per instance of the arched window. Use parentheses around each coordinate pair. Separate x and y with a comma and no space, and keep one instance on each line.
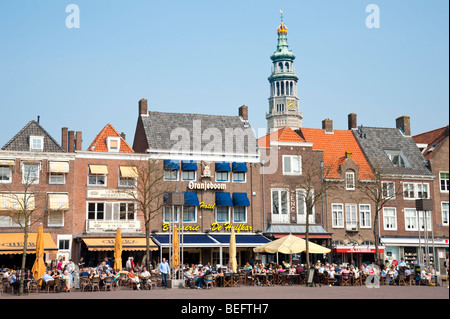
(291,90)
(286,67)
(280,67)
(282,88)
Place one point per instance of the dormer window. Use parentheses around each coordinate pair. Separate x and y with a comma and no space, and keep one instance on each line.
(113,144)
(36,143)
(350,180)
(397,158)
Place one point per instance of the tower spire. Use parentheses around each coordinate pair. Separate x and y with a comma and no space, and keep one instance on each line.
(283,100)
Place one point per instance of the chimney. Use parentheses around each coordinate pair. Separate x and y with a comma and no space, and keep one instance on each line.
(348,154)
(243,112)
(78,141)
(123,135)
(143,107)
(327,126)
(352,124)
(403,123)
(71,146)
(64,133)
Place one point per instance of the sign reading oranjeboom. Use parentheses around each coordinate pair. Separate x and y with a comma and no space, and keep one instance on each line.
(206,185)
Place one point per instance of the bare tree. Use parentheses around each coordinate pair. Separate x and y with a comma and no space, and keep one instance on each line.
(23,207)
(314,187)
(148,193)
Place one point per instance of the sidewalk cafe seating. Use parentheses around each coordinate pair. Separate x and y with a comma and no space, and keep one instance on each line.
(227,280)
(84,283)
(53,285)
(95,283)
(33,285)
(108,283)
(345,280)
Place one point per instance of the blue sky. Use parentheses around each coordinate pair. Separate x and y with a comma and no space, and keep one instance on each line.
(213,56)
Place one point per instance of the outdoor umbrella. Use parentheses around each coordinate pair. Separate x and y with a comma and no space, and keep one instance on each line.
(286,245)
(176,246)
(118,250)
(232,252)
(38,269)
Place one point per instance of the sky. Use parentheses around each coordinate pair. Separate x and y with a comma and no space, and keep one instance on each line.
(211,57)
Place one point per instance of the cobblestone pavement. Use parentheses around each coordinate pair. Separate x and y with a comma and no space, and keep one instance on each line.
(248,292)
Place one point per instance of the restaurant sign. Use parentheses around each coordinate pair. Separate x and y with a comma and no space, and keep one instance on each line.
(215,227)
(207,186)
(111,194)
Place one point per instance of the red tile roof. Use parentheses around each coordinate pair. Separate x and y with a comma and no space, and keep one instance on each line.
(432,139)
(286,134)
(334,148)
(99,143)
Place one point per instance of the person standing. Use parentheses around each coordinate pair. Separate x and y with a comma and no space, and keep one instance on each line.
(164,269)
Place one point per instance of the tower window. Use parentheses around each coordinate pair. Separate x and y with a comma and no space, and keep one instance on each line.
(286,67)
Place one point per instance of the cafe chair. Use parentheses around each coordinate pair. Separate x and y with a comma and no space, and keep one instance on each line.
(227,280)
(108,283)
(95,283)
(84,283)
(33,285)
(401,280)
(236,282)
(345,278)
(53,285)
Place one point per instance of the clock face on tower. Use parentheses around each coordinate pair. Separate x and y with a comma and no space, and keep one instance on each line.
(291,105)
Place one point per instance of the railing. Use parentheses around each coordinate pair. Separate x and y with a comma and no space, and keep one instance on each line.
(352,226)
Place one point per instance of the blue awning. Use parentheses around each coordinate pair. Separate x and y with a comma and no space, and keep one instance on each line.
(171,164)
(188,165)
(239,167)
(223,199)
(189,240)
(242,240)
(191,199)
(240,199)
(223,167)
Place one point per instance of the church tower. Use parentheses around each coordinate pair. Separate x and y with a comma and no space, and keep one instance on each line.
(283,100)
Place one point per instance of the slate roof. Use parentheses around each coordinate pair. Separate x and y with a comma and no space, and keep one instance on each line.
(198,132)
(99,143)
(285,134)
(374,141)
(433,139)
(334,147)
(20,142)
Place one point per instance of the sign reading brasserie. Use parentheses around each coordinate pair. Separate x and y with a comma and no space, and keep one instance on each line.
(206,185)
(215,227)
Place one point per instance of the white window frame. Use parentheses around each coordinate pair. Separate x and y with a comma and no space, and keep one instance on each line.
(110,139)
(228,215)
(195,214)
(392,196)
(367,213)
(337,221)
(222,172)
(237,180)
(25,175)
(442,213)
(446,182)
(291,172)
(350,176)
(9,175)
(403,161)
(429,221)
(167,211)
(170,171)
(96,210)
(416,189)
(96,178)
(53,182)
(245,214)
(387,223)
(188,179)
(36,138)
(55,215)
(412,219)
(351,221)
(11,218)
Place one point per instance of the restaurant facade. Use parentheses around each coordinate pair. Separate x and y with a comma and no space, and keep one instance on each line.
(214,163)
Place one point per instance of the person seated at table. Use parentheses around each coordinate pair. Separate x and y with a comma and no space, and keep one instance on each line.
(67,278)
(280,270)
(228,271)
(248,267)
(145,274)
(195,270)
(47,278)
(391,275)
(190,279)
(199,280)
(345,273)
(254,274)
(220,272)
(134,279)
(84,273)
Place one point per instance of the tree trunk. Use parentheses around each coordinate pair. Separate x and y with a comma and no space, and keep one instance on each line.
(377,239)
(24,258)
